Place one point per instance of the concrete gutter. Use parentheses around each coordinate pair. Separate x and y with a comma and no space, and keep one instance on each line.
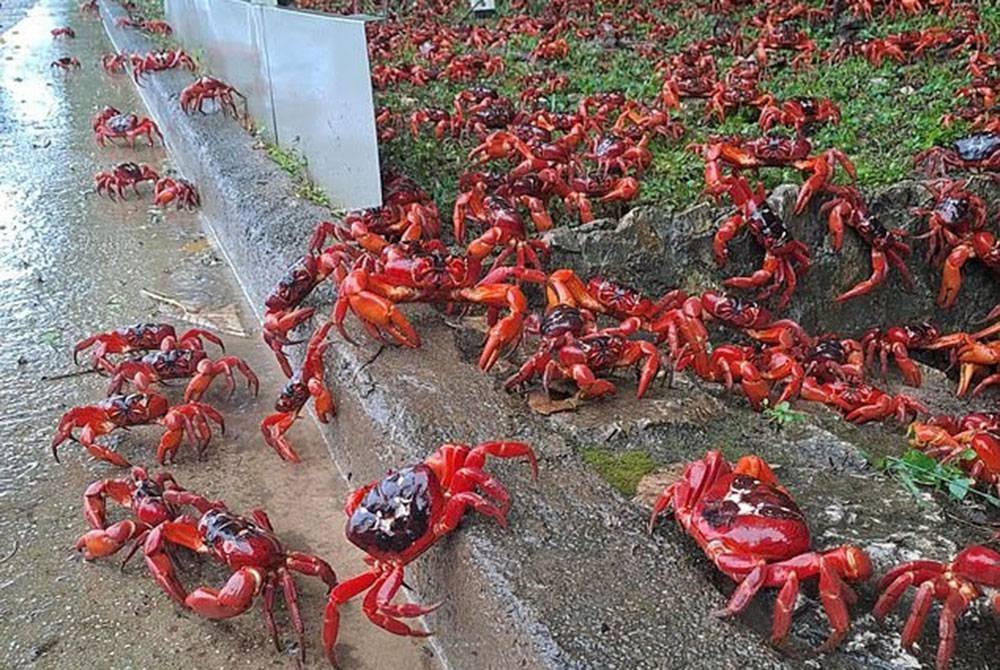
(575,582)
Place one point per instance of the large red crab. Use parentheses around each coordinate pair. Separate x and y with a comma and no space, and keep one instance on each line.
(247,546)
(111,124)
(209,88)
(784,257)
(425,271)
(140,337)
(956,584)
(308,382)
(157,61)
(748,525)
(398,518)
(123,176)
(138,409)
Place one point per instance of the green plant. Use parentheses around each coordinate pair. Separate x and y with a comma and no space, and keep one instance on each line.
(916,469)
(622,470)
(295,165)
(782,414)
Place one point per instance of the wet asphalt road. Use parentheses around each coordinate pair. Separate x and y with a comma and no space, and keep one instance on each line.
(71,264)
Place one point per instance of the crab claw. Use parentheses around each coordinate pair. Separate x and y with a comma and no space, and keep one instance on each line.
(274,427)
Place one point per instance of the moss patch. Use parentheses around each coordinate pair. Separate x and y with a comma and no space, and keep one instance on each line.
(622,470)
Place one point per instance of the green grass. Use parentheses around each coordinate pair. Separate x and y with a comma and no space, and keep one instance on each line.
(296,166)
(889,113)
(622,470)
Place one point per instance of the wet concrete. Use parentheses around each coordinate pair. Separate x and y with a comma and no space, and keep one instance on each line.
(71,264)
(575,582)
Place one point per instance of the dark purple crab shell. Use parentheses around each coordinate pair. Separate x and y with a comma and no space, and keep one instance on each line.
(977,147)
(120,123)
(396,511)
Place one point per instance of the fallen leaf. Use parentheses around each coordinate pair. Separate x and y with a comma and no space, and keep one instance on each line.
(196,246)
(651,486)
(541,403)
(225,319)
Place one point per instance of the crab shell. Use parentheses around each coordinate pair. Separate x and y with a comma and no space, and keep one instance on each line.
(395,516)
(751,517)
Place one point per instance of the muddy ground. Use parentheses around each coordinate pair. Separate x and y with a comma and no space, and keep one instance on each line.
(71,264)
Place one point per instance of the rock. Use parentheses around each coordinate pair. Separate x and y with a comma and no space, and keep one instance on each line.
(656,250)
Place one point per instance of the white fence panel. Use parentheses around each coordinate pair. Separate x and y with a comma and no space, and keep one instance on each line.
(307,81)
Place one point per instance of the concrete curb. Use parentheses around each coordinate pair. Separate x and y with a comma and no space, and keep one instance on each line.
(575,582)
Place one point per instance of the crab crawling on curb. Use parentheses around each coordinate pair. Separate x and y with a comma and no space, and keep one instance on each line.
(209,88)
(753,531)
(396,519)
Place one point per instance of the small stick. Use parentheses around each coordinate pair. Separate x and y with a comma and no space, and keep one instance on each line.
(68,375)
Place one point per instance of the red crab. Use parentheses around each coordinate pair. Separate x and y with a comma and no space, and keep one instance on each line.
(64,31)
(66,63)
(140,337)
(425,271)
(258,559)
(983,246)
(731,364)
(975,356)
(796,112)
(897,341)
(180,192)
(151,501)
(784,258)
(308,382)
(979,151)
(848,209)
(752,530)
(115,63)
(396,519)
(137,409)
(860,402)
(110,124)
(180,363)
(156,61)
(673,318)
(154,27)
(283,313)
(953,216)
(772,151)
(209,88)
(951,439)
(580,356)
(123,176)
(956,584)
(785,36)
